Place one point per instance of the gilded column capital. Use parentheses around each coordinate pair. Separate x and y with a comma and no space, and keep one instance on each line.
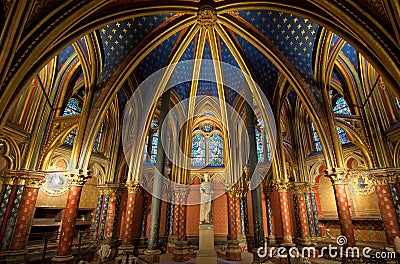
(181,191)
(207,17)
(337,175)
(78,177)
(299,188)
(111,189)
(381,180)
(28,178)
(282,186)
(133,187)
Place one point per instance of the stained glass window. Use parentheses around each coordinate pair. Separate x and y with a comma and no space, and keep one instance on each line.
(154,144)
(317,141)
(216,150)
(97,140)
(69,140)
(343,137)
(260,146)
(207,127)
(73,107)
(341,107)
(198,150)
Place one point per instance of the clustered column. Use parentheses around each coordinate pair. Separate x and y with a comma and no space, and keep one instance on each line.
(76,181)
(113,191)
(20,190)
(339,181)
(386,207)
(233,252)
(282,187)
(302,219)
(133,189)
(180,253)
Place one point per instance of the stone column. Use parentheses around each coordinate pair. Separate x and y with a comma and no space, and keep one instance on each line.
(96,220)
(233,252)
(180,253)
(339,180)
(133,189)
(386,207)
(104,211)
(113,191)
(270,217)
(17,223)
(282,187)
(244,216)
(309,211)
(76,181)
(144,218)
(315,210)
(302,219)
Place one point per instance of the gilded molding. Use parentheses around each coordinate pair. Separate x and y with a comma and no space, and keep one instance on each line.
(27,178)
(78,177)
(282,186)
(337,175)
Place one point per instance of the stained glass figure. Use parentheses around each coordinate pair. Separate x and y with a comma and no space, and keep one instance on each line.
(207,128)
(343,137)
(73,107)
(69,140)
(341,107)
(97,140)
(317,141)
(198,150)
(260,145)
(216,150)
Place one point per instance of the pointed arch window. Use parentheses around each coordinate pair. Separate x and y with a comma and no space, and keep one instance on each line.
(317,141)
(216,150)
(343,137)
(341,107)
(73,107)
(260,145)
(69,140)
(198,150)
(150,151)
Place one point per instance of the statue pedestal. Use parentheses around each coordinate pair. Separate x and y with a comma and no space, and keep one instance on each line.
(206,254)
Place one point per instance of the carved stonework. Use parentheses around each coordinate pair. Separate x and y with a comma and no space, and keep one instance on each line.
(300,188)
(282,186)
(337,175)
(207,17)
(133,187)
(78,178)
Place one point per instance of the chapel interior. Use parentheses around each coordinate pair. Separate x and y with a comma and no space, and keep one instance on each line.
(302,97)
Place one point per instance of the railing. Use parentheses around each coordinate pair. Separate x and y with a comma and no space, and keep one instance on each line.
(43,246)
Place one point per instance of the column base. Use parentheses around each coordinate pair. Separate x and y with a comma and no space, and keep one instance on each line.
(152,256)
(233,252)
(272,240)
(206,257)
(13,256)
(256,257)
(63,259)
(181,253)
(171,244)
(305,241)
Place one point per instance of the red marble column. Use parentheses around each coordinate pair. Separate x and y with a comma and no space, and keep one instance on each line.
(387,209)
(180,253)
(282,187)
(299,191)
(133,190)
(76,181)
(339,181)
(26,211)
(233,252)
(113,192)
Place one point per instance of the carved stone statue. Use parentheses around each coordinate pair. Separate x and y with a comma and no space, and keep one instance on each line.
(207,195)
